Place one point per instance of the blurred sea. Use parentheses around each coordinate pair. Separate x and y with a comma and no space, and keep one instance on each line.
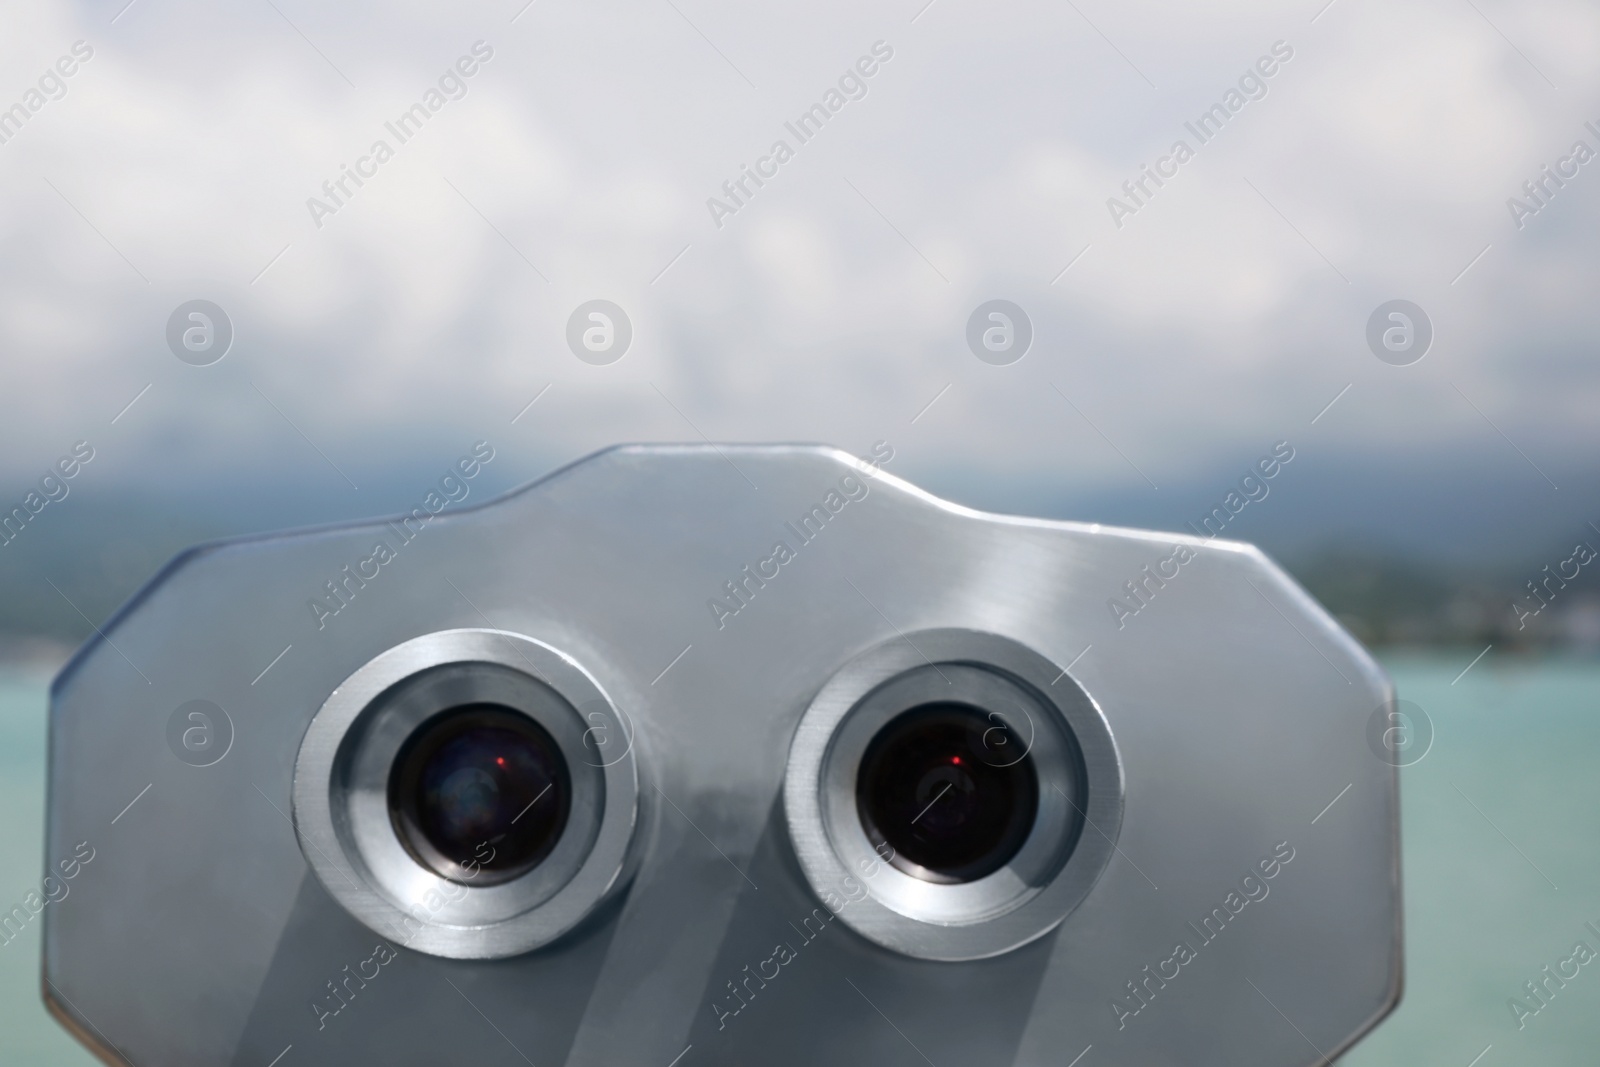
(1521,739)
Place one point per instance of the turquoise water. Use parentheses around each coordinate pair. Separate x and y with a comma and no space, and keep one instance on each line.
(28,1035)
(1523,743)
(1492,896)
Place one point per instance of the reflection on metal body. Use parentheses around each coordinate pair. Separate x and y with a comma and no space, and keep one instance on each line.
(1186,894)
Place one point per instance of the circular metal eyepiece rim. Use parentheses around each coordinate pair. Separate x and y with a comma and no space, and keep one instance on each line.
(421,918)
(995,914)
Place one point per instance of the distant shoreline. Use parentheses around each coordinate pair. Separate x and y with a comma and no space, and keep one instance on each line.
(31,653)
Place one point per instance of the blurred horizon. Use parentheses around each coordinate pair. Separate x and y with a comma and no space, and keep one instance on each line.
(1396,557)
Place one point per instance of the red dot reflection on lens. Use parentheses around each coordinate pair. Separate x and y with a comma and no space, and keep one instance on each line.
(500,760)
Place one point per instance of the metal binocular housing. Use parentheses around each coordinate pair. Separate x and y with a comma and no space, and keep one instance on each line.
(722,755)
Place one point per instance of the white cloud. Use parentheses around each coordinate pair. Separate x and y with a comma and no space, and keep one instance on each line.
(989,144)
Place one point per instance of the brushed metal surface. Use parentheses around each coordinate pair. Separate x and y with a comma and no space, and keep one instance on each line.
(201,935)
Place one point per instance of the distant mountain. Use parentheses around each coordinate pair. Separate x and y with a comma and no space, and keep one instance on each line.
(1401,557)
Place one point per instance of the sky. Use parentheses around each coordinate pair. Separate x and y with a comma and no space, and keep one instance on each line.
(1179,332)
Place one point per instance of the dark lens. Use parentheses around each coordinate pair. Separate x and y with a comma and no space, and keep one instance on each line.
(480,794)
(949,789)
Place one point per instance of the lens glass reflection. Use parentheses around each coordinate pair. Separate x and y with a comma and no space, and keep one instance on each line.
(950,790)
(480,794)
